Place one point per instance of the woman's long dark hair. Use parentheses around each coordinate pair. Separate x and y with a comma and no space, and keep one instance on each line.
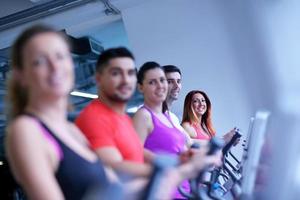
(190,116)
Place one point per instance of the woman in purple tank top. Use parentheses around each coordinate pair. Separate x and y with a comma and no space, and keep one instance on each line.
(155,128)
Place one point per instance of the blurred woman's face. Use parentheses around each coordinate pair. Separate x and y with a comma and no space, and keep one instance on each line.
(199,104)
(154,86)
(47,66)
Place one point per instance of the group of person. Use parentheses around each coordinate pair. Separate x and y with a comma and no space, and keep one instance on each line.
(52,158)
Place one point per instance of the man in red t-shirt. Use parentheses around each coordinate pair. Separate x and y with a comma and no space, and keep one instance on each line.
(104,121)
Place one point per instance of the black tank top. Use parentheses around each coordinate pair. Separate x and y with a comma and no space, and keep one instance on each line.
(76,175)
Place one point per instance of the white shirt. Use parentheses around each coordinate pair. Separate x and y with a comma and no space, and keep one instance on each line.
(177,124)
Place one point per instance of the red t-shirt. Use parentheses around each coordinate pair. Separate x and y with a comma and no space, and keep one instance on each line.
(104,127)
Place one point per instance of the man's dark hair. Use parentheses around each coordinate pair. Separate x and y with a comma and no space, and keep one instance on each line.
(144,68)
(107,55)
(171,68)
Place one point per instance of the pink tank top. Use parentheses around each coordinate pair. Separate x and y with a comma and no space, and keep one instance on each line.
(201,135)
(50,139)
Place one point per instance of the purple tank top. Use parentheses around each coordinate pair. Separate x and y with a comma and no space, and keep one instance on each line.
(164,139)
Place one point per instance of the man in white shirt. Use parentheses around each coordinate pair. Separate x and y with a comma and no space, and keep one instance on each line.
(173,75)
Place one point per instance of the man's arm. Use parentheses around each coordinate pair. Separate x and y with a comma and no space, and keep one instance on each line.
(112,157)
(148,156)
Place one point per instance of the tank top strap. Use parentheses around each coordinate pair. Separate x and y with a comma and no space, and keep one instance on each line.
(193,125)
(154,119)
(201,134)
(148,109)
(48,135)
(167,114)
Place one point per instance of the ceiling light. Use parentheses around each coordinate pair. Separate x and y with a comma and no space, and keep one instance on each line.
(36,1)
(133,109)
(84,94)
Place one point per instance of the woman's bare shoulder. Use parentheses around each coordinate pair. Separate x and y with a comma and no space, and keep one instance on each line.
(142,113)
(186,124)
(21,125)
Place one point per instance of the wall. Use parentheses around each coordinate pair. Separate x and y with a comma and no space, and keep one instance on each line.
(192,35)
(280,25)
(245,55)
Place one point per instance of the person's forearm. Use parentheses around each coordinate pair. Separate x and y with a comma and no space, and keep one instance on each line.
(133,169)
(186,171)
(168,184)
(149,156)
(201,142)
(172,178)
(135,187)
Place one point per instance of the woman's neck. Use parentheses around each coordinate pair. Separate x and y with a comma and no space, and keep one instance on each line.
(155,107)
(197,119)
(49,110)
(169,103)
